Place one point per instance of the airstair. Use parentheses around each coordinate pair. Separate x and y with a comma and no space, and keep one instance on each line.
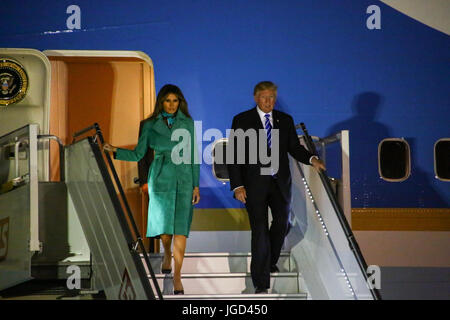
(320,258)
(76,225)
(226,276)
(34,215)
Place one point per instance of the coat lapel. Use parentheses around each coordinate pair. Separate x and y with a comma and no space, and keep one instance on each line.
(180,120)
(161,127)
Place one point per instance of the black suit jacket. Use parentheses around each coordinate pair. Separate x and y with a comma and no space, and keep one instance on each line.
(249,175)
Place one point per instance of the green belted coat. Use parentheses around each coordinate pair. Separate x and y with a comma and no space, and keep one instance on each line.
(170,183)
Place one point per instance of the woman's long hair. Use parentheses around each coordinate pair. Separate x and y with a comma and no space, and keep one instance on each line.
(163,93)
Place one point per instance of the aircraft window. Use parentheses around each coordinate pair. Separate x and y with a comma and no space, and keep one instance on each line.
(394,159)
(442,159)
(219,167)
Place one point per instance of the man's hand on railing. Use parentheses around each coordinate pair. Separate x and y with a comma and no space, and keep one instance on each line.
(318,164)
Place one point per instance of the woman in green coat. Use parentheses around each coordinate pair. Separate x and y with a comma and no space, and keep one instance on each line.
(173,180)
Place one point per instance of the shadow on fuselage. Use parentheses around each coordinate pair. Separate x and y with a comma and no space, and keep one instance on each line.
(367,188)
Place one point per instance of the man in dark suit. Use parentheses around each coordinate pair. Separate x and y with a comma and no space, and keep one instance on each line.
(260,185)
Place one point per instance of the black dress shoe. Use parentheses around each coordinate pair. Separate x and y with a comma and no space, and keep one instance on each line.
(178,292)
(274,268)
(260,291)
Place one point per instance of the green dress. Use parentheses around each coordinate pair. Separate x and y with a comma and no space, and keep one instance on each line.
(170,183)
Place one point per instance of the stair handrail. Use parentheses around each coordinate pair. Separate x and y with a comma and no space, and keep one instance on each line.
(98,135)
(61,153)
(353,244)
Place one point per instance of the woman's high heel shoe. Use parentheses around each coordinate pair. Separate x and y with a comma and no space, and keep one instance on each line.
(177,291)
(166,271)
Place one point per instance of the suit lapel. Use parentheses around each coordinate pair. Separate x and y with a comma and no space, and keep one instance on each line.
(276,119)
(258,123)
(256,119)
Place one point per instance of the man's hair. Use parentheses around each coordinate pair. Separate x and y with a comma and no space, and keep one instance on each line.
(264,85)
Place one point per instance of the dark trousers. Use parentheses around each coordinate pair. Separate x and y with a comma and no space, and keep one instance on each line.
(266,242)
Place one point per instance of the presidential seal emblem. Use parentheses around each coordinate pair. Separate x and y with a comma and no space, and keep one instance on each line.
(13,82)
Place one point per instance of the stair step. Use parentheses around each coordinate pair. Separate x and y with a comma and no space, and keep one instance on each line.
(270,296)
(230,283)
(219,262)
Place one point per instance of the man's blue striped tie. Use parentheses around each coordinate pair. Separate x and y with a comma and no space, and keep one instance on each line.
(268,130)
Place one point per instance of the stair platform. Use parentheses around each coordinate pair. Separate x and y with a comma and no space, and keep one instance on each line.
(220,262)
(226,276)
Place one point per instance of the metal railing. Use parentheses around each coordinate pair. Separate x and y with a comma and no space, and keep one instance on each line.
(340,213)
(61,153)
(138,243)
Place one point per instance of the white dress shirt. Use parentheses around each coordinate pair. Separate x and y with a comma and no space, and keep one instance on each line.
(262,116)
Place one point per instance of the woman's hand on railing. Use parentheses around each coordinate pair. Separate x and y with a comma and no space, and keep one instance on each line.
(196,195)
(109,148)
